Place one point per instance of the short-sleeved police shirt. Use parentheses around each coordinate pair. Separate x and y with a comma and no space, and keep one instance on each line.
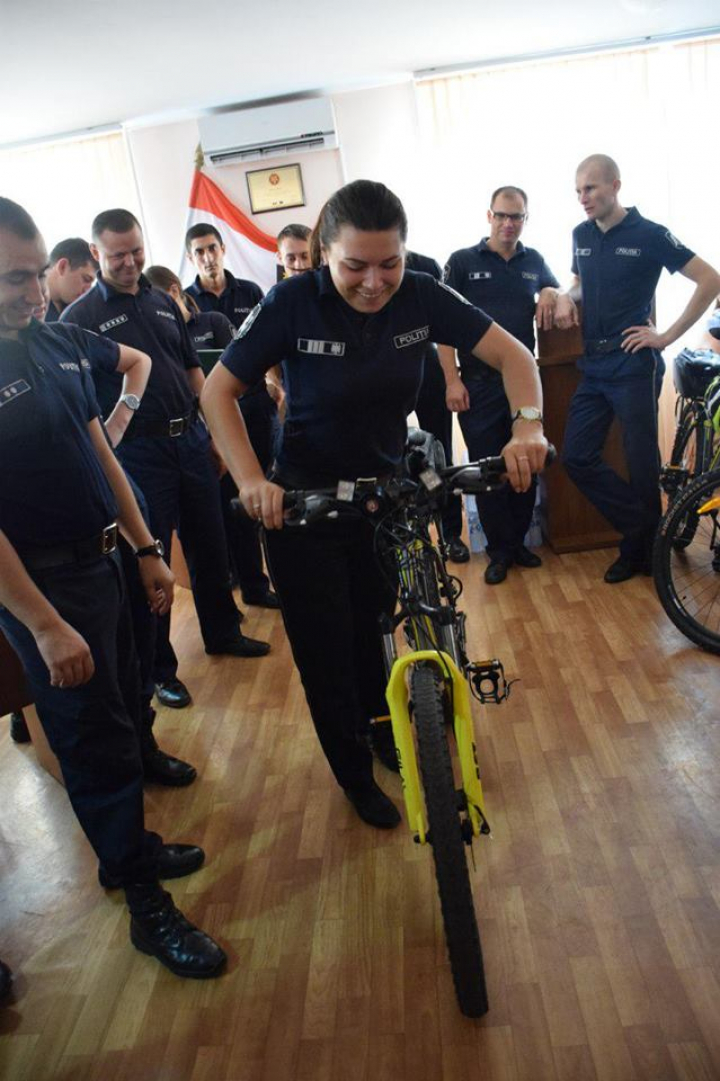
(619,271)
(148,320)
(53,489)
(504,288)
(210,330)
(351,379)
(236,301)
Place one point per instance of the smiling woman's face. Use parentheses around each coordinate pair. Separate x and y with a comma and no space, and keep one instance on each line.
(366,267)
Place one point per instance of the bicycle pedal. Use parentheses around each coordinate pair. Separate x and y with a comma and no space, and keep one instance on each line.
(488,679)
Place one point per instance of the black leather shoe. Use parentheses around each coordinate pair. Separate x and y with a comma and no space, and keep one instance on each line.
(162,768)
(458,551)
(173,693)
(239,646)
(383,746)
(496,572)
(5,980)
(19,732)
(262,600)
(374,807)
(525,558)
(621,570)
(174,861)
(160,930)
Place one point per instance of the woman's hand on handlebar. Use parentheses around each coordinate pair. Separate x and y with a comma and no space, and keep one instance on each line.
(263,501)
(525,454)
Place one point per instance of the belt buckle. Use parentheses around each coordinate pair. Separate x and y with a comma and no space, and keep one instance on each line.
(177,426)
(108,539)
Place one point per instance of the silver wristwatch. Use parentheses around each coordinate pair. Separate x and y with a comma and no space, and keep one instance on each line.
(131,401)
(528,412)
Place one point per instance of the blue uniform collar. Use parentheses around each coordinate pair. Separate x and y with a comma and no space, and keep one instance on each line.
(230,281)
(107,290)
(631,218)
(484,247)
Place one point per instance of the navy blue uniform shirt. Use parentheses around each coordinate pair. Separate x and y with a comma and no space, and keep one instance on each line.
(504,288)
(236,301)
(53,489)
(351,379)
(52,314)
(210,330)
(619,271)
(149,320)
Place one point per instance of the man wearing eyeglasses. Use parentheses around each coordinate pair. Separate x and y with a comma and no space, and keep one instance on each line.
(515,286)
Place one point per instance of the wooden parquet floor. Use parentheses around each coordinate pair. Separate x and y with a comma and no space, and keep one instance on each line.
(598,895)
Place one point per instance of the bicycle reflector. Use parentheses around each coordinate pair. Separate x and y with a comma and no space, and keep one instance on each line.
(712,504)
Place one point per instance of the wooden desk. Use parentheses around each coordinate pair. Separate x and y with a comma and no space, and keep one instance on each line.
(572,524)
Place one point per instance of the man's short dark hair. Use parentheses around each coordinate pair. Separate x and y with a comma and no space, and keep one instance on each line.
(75,250)
(16,220)
(201,229)
(294,231)
(114,221)
(508,189)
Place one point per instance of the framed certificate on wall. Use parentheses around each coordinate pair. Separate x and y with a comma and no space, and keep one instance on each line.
(275,189)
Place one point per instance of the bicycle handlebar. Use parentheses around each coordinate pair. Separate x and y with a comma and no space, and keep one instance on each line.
(485,475)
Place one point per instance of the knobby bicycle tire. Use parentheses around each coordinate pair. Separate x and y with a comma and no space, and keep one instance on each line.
(687,576)
(451,871)
(691,425)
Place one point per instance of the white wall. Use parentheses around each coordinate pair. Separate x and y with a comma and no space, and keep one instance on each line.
(378,139)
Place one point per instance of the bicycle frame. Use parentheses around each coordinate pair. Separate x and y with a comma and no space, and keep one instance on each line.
(398,699)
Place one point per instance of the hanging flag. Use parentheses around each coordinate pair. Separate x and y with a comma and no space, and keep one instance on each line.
(249,253)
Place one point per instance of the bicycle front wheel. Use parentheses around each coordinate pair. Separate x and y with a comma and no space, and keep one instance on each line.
(451,871)
(687,574)
(690,457)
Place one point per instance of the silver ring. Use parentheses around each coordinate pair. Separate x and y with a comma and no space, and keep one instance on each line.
(523,458)
(257,506)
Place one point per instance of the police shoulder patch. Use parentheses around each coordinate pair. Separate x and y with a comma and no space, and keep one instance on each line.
(248,321)
(449,289)
(673,240)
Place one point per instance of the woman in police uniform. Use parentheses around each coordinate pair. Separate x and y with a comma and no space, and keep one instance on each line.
(351,337)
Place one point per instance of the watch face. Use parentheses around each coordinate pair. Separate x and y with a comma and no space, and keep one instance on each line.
(131,401)
(529,412)
(159,548)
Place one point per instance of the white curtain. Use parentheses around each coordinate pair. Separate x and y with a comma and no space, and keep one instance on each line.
(652,110)
(64,185)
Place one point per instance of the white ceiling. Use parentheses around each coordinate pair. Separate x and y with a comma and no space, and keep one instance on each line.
(72,64)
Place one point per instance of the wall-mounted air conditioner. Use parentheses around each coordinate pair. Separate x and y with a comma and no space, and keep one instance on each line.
(268,131)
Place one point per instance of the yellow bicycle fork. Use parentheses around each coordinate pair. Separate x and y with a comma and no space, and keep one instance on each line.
(397,695)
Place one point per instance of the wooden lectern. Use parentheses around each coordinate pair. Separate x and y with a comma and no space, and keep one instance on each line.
(571,523)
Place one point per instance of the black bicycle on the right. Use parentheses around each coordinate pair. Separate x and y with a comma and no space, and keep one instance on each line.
(686,554)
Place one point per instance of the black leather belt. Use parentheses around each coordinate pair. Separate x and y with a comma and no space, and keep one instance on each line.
(599,347)
(153,426)
(82,551)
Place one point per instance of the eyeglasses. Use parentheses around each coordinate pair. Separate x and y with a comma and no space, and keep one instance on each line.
(514,219)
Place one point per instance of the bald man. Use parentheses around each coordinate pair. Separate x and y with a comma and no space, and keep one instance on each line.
(618,257)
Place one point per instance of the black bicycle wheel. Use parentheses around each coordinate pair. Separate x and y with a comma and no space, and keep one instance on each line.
(451,871)
(690,456)
(687,575)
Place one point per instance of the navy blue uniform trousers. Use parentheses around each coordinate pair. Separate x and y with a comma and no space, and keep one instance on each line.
(260,415)
(332,594)
(181,487)
(90,728)
(626,387)
(487,426)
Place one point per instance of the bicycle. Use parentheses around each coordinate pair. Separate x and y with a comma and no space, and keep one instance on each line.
(429,688)
(692,450)
(686,553)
